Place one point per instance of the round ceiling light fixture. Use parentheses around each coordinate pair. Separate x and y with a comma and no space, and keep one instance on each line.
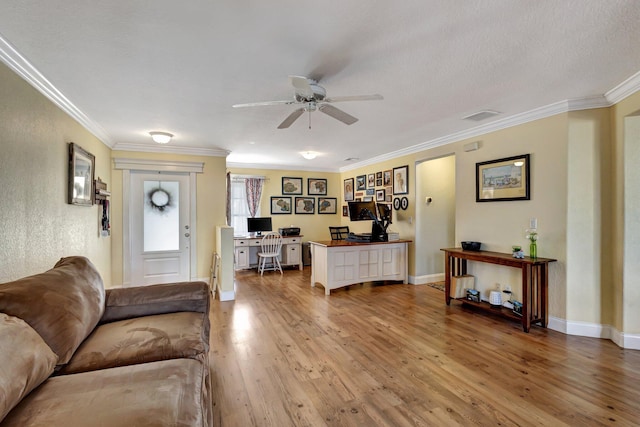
(161,137)
(309,155)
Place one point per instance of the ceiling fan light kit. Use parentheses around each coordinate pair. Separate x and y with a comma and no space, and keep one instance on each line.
(311,97)
(161,137)
(309,155)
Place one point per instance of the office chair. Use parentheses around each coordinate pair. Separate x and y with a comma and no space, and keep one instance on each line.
(270,249)
(339,233)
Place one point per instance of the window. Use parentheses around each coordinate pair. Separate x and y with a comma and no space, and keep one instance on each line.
(239,206)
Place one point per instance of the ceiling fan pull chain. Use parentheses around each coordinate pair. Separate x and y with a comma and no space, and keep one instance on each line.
(309,119)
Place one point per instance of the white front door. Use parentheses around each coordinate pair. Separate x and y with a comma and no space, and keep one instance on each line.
(160,230)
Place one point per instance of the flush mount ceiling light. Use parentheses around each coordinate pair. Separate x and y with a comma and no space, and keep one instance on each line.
(309,155)
(161,137)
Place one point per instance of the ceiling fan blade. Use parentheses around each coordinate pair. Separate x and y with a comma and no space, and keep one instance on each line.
(337,114)
(291,118)
(302,86)
(261,104)
(375,97)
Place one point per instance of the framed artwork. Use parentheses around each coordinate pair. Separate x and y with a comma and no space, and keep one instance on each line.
(327,205)
(359,194)
(386,178)
(305,205)
(380,195)
(291,185)
(371,180)
(370,191)
(503,179)
(361,182)
(378,182)
(396,203)
(400,180)
(367,199)
(348,190)
(280,205)
(404,203)
(345,210)
(80,179)
(378,175)
(316,187)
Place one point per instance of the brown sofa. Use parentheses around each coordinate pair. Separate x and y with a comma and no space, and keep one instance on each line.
(72,354)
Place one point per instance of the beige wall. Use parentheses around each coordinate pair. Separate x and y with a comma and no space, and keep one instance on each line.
(37,226)
(313,227)
(210,195)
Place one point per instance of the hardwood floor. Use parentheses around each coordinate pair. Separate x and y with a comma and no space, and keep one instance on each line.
(284,354)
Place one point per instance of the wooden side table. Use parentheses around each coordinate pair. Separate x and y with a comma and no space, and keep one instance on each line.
(535,278)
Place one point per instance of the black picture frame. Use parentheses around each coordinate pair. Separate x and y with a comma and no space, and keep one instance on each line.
(82,166)
(281,205)
(506,179)
(305,205)
(316,186)
(349,190)
(401,180)
(291,186)
(361,182)
(327,205)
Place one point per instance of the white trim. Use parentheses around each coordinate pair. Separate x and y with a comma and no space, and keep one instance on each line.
(624,89)
(595,330)
(193,244)
(158,165)
(227,295)
(172,149)
(235,165)
(21,66)
(126,228)
(427,278)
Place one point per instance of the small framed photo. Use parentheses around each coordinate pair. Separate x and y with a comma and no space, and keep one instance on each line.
(305,205)
(378,182)
(291,185)
(361,182)
(345,210)
(386,178)
(503,179)
(378,175)
(380,196)
(280,205)
(400,180)
(348,190)
(367,199)
(80,180)
(316,187)
(371,191)
(327,205)
(371,180)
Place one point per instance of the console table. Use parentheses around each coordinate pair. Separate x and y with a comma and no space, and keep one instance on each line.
(535,277)
(246,252)
(338,263)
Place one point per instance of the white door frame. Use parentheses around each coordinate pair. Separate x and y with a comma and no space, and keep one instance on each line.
(128,165)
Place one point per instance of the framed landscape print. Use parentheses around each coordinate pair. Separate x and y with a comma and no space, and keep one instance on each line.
(348,190)
(280,205)
(401,180)
(80,179)
(503,179)
(316,187)
(291,185)
(327,205)
(305,205)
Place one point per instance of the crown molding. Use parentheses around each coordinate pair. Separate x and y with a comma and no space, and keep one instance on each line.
(172,149)
(19,64)
(163,165)
(624,89)
(235,165)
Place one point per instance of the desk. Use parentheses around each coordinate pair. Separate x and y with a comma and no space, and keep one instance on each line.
(535,278)
(338,263)
(246,252)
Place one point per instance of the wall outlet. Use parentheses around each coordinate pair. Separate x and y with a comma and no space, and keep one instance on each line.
(533,223)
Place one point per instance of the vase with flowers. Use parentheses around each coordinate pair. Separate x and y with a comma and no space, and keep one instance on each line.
(532,235)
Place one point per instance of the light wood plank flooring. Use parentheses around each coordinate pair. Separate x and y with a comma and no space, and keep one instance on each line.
(284,354)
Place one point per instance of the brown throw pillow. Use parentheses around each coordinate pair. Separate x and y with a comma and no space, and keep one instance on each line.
(63,304)
(25,361)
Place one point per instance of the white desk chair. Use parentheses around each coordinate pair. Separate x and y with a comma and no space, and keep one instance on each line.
(270,249)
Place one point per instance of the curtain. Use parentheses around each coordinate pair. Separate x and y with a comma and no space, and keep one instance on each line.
(254,192)
(228,198)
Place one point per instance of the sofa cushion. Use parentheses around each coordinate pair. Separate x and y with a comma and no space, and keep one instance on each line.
(165,393)
(25,361)
(63,304)
(140,340)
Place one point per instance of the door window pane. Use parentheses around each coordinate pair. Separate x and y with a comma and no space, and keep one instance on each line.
(161,216)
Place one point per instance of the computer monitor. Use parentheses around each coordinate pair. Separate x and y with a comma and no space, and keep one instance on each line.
(258,225)
(363,211)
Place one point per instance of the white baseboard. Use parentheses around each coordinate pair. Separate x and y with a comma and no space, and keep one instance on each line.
(594,330)
(427,278)
(227,295)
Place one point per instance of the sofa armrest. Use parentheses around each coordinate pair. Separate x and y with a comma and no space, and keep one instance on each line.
(127,303)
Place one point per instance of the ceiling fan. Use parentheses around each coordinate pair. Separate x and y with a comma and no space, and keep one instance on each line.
(311,97)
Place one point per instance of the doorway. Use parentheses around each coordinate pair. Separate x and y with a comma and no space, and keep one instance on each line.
(435,213)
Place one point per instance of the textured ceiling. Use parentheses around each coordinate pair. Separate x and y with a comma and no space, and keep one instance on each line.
(129,67)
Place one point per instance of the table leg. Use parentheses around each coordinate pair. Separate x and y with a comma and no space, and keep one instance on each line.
(526,297)
(447,278)
(544,279)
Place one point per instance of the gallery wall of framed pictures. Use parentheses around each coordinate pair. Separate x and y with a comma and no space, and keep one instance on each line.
(294,200)
(388,186)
